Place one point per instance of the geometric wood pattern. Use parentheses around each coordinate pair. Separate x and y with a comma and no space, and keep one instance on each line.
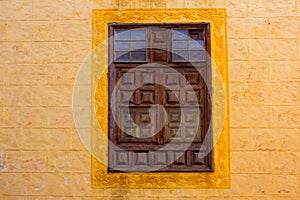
(159,45)
(183,88)
(144,160)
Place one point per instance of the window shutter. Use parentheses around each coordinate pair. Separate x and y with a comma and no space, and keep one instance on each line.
(174,56)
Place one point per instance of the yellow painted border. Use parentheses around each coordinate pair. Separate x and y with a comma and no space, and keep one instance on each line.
(220,178)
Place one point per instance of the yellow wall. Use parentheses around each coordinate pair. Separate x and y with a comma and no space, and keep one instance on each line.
(42,46)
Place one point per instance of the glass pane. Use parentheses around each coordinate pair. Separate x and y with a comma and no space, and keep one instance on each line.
(180,34)
(180,55)
(122,35)
(138,56)
(196,55)
(180,44)
(138,45)
(122,56)
(195,35)
(138,35)
(196,44)
(119,46)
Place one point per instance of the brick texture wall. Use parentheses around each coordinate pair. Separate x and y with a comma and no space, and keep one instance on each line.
(42,45)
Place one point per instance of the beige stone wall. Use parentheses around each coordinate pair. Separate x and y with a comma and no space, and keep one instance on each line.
(42,45)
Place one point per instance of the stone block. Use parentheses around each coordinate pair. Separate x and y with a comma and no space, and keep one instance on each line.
(240,139)
(285,27)
(248,28)
(239,93)
(270,139)
(263,8)
(60,117)
(15,138)
(25,161)
(49,184)
(80,139)
(234,8)
(275,49)
(49,139)
(19,31)
(285,162)
(259,93)
(53,10)
(16,10)
(285,93)
(285,185)
(285,116)
(240,185)
(60,52)
(14,183)
(249,71)
(285,71)
(59,95)
(24,117)
(81,185)
(25,74)
(16,52)
(62,74)
(82,95)
(15,95)
(238,49)
(64,30)
(261,185)
(250,162)
(249,116)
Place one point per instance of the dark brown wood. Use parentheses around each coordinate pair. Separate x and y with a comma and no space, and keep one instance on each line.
(147,154)
(112,136)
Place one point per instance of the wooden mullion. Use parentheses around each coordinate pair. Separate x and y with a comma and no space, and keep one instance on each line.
(112,129)
(148,45)
(160,100)
(169,46)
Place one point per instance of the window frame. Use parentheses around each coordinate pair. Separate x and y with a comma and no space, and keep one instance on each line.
(170,62)
(221,177)
(205,27)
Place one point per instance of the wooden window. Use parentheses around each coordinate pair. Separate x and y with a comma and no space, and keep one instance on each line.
(174,71)
(187,45)
(130,45)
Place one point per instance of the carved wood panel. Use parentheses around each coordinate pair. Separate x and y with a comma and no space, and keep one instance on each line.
(141,136)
